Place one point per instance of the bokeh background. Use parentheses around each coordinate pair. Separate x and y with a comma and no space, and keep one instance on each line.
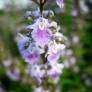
(76,24)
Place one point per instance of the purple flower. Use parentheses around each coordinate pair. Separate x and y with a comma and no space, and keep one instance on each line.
(31,53)
(54,51)
(56,70)
(60,3)
(32,57)
(37,73)
(53,57)
(13,74)
(41,33)
(41,37)
(22,45)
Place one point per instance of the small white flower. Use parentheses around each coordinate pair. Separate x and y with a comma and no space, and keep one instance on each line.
(69,52)
(72,60)
(54,47)
(39,89)
(60,36)
(53,24)
(60,3)
(58,28)
(44,23)
(75,39)
(7,62)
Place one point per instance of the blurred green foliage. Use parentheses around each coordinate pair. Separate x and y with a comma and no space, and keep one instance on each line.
(70,81)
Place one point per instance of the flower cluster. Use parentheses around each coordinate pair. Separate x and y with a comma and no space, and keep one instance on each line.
(41,47)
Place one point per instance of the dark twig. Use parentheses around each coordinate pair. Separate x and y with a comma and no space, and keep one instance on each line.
(42,3)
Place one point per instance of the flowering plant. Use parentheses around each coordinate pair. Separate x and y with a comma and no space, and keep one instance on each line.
(41,48)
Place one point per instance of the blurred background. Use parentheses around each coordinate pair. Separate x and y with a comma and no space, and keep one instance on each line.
(76,24)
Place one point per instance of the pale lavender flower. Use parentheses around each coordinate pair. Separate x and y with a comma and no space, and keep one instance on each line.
(30,53)
(60,3)
(33,47)
(7,62)
(53,57)
(41,37)
(55,70)
(32,57)
(41,33)
(2,89)
(37,73)
(22,44)
(54,51)
(83,6)
(43,42)
(13,74)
